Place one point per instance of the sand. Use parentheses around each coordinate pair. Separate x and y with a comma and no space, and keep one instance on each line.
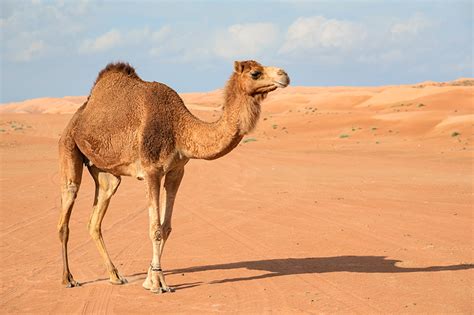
(343,200)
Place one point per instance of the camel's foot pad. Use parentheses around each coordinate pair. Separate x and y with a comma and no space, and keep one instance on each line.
(72,284)
(69,281)
(119,281)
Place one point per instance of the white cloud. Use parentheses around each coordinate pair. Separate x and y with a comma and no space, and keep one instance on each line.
(83,6)
(244,40)
(320,34)
(393,43)
(102,43)
(409,28)
(188,46)
(114,38)
(34,28)
(161,34)
(147,35)
(34,50)
(236,41)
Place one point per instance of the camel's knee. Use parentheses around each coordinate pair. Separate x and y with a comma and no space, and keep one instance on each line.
(156,233)
(94,231)
(63,231)
(69,193)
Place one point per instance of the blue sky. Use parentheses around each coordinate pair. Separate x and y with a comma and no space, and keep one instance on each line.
(56,48)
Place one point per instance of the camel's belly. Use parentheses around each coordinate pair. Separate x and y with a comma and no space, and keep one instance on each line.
(111,158)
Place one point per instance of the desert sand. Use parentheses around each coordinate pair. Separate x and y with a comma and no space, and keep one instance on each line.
(343,200)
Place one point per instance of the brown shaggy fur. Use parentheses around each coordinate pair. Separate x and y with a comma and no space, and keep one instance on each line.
(123,67)
(119,66)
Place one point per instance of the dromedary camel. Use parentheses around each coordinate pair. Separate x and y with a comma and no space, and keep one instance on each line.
(130,127)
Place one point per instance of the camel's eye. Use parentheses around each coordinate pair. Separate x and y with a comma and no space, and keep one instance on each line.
(255,74)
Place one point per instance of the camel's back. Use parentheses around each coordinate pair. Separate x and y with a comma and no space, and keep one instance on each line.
(124,118)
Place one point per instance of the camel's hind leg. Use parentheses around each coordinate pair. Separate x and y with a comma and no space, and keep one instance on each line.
(71,164)
(105,186)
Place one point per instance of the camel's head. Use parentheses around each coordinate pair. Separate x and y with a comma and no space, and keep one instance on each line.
(256,79)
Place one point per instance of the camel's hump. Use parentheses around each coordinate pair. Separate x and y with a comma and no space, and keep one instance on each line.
(123,67)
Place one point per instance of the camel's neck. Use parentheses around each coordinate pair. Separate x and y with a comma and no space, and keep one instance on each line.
(202,140)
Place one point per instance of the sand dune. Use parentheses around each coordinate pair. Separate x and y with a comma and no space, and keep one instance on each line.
(332,97)
(46,105)
(343,200)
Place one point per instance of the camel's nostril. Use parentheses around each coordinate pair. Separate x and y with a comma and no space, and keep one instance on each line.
(281,72)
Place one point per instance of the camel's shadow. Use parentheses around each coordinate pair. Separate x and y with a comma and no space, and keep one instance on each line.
(296,266)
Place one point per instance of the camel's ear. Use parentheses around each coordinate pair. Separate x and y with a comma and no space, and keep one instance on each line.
(238,67)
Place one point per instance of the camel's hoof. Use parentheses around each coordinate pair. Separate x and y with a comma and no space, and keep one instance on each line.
(160,290)
(72,284)
(156,290)
(119,281)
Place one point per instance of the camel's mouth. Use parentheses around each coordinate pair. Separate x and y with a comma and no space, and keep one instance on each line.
(281,84)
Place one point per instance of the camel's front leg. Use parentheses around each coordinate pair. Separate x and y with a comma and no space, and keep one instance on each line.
(170,189)
(155,281)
